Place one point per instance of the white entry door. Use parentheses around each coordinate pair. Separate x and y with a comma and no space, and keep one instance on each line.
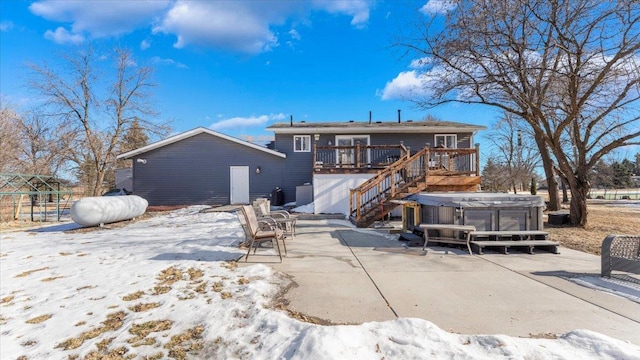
(239,184)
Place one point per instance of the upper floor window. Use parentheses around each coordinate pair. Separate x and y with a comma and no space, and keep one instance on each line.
(302,143)
(449,141)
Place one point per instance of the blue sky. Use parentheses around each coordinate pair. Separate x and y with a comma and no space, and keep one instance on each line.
(237,66)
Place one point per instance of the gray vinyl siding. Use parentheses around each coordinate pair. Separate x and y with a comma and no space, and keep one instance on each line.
(196,170)
(299,167)
(416,142)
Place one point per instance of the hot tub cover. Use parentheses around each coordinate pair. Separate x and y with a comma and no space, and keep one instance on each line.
(478,200)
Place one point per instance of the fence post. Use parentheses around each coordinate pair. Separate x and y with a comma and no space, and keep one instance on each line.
(315,155)
(358,209)
(350,202)
(426,162)
(477,159)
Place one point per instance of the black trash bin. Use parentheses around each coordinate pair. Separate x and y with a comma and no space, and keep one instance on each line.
(277,197)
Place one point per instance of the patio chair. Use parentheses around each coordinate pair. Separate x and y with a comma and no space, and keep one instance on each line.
(283,218)
(262,230)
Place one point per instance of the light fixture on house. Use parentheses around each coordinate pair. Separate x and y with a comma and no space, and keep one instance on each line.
(316,137)
(329,143)
(141,161)
(258,170)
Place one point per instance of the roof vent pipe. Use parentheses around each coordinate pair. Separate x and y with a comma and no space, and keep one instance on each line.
(398,116)
(369,116)
(291,120)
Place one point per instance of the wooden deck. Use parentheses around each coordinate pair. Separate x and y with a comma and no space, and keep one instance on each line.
(398,174)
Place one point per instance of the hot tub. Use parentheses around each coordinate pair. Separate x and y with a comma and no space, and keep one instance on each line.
(485,211)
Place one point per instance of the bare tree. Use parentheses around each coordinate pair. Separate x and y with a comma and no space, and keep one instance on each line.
(45,143)
(9,120)
(493,178)
(516,150)
(557,64)
(100,108)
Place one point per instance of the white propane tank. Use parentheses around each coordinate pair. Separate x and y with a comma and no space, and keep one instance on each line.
(96,210)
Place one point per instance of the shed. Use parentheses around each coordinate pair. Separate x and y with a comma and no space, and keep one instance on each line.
(202,166)
(485,211)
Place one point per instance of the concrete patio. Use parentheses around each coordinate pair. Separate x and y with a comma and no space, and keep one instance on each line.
(347,275)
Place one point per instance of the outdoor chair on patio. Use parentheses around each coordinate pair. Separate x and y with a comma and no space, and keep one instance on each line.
(262,230)
(283,218)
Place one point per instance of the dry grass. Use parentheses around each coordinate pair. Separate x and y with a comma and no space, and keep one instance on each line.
(86,287)
(144,307)
(217,286)
(201,288)
(104,344)
(114,322)
(186,343)
(169,276)
(195,274)
(133,296)
(603,220)
(159,289)
(39,319)
(141,331)
(29,272)
(114,354)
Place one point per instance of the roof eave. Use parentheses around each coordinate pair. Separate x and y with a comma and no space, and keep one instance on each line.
(193,132)
(377,130)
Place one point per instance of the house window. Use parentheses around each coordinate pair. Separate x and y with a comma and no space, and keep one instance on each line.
(449,141)
(302,143)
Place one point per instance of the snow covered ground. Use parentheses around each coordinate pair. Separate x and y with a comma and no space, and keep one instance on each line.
(165,288)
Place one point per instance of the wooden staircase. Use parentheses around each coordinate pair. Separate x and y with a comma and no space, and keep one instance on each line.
(437,169)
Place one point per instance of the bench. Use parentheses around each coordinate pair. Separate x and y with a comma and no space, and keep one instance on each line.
(517,238)
(465,229)
(622,253)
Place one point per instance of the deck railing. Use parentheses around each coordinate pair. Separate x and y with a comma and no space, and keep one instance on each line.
(454,161)
(357,156)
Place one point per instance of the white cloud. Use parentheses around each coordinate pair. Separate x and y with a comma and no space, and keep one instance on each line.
(435,7)
(63,36)
(100,18)
(241,26)
(240,122)
(6,26)
(144,45)
(420,63)
(171,62)
(405,84)
(237,26)
(246,26)
(295,35)
(358,9)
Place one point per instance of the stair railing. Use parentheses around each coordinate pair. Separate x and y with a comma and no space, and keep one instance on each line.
(395,180)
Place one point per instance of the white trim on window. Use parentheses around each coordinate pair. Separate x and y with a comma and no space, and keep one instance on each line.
(449,141)
(301,143)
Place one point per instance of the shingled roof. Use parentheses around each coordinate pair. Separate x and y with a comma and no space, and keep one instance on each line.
(375,127)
